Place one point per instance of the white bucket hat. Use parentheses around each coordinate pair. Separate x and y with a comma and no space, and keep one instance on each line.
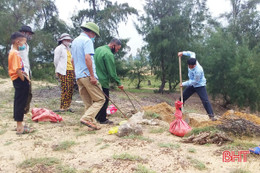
(64,36)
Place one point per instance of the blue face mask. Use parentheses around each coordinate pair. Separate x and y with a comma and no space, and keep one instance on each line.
(93,39)
(22,47)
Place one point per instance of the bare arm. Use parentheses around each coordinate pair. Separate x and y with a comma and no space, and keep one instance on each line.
(20,74)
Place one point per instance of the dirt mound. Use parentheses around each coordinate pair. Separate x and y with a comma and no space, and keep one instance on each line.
(237,123)
(226,117)
(240,127)
(239,115)
(165,110)
(195,123)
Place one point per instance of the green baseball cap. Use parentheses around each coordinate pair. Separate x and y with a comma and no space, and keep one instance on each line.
(91,26)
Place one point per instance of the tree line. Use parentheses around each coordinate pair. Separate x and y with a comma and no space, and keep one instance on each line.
(229,51)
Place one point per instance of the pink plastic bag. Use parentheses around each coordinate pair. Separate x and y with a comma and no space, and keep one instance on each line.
(42,114)
(179,127)
(111,109)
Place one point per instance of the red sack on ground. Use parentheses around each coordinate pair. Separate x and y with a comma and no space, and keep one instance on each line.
(111,109)
(179,127)
(42,114)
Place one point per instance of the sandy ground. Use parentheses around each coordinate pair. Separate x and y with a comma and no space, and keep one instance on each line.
(158,150)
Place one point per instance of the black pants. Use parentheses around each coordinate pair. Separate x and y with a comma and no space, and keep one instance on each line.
(202,92)
(102,114)
(20,97)
(29,99)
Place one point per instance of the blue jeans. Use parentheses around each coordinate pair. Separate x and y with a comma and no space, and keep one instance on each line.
(202,92)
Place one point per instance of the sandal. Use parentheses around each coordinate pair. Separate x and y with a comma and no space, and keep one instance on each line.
(90,124)
(25,126)
(70,110)
(26,130)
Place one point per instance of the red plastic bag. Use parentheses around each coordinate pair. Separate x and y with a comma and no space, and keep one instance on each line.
(179,127)
(42,114)
(111,109)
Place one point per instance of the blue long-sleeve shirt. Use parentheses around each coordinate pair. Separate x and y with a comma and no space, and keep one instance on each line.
(196,75)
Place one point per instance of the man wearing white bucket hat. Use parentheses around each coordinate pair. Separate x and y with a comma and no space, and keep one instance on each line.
(85,71)
(64,71)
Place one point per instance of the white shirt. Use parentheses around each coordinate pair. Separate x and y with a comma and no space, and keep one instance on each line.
(25,58)
(60,59)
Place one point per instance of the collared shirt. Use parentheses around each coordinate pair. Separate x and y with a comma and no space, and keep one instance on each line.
(105,64)
(81,46)
(196,75)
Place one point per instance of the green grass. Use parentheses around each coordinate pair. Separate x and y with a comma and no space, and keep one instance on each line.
(207,144)
(143,169)
(126,156)
(8,143)
(99,141)
(142,138)
(65,169)
(104,146)
(197,164)
(196,131)
(85,133)
(63,146)
(152,115)
(155,83)
(134,90)
(169,145)
(157,130)
(192,150)
(3,131)
(238,145)
(240,171)
(47,161)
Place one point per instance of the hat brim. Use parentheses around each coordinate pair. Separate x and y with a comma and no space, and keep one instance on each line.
(83,27)
(65,38)
(26,31)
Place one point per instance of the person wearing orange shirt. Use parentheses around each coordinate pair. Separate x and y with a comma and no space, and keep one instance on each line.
(20,81)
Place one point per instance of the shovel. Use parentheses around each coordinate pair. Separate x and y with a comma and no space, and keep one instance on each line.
(130,100)
(109,99)
(136,100)
(181,82)
(112,102)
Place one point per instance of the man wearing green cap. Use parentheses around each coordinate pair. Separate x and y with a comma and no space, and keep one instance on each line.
(85,71)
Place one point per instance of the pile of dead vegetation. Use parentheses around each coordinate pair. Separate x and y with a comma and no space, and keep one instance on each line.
(240,124)
(218,138)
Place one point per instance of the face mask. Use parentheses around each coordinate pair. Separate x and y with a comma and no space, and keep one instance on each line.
(22,47)
(93,39)
(66,43)
(113,50)
(28,36)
